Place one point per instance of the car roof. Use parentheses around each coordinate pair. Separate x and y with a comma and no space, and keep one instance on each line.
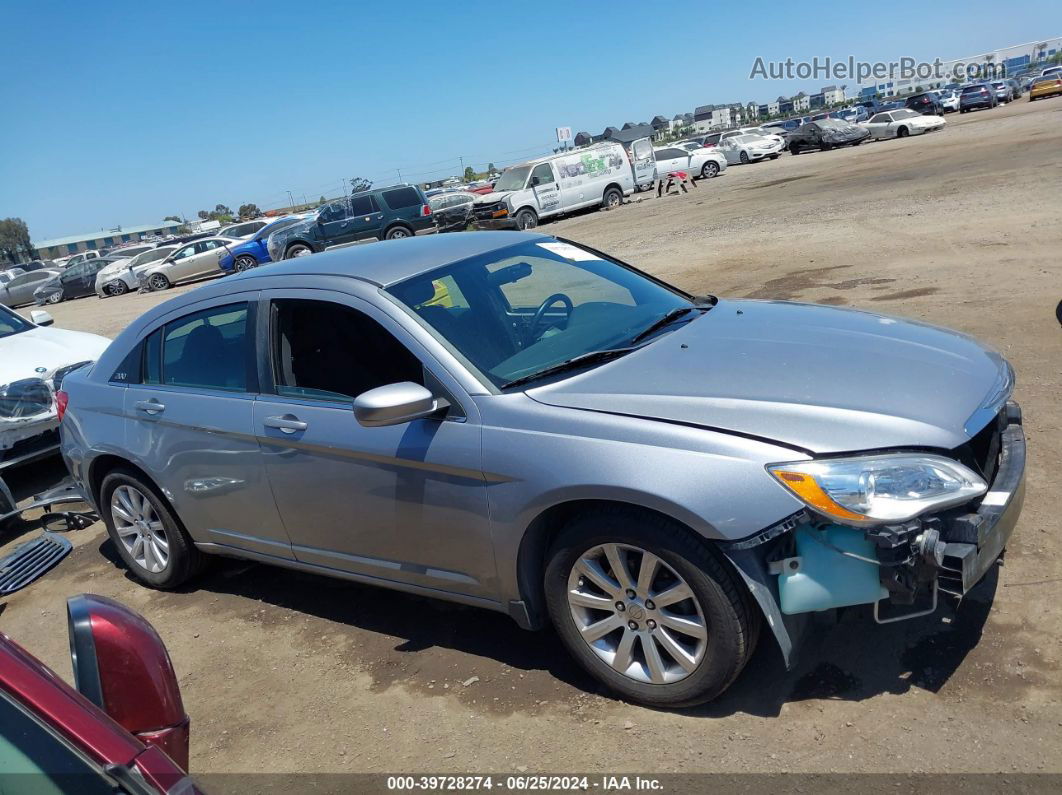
(387,262)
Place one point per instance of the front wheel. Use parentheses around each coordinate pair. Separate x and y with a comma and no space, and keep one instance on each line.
(244,262)
(709,170)
(526,219)
(298,250)
(612,199)
(774,157)
(54,298)
(158,282)
(646,608)
(902,132)
(744,158)
(117,287)
(794,149)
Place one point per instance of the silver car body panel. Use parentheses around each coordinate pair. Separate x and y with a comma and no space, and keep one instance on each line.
(684,426)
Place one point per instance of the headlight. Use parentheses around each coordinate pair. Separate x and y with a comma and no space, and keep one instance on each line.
(883,488)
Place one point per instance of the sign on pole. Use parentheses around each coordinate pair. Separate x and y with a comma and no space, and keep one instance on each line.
(564,134)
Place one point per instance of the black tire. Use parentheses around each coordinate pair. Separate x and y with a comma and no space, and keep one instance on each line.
(398,232)
(244,262)
(158,281)
(612,198)
(54,298)
(709,170)
(744,158)
(902,132)
(185,560)
(731,622)
(774,157)
(526,219)
(794,149)
(297,250)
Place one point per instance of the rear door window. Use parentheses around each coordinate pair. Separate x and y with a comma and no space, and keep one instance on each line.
(209,349)
(400,198)
(363,205)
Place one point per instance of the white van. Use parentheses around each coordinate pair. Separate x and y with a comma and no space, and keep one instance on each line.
(597,175)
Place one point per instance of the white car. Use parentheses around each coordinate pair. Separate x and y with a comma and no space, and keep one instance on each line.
(698,163)
(189,261)
(120,277)
(244,230)
(901,123)
(765,132)
(748,147)
(949,100)
(82,257)
(33,362)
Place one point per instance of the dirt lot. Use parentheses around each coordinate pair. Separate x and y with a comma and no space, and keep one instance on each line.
(963,228)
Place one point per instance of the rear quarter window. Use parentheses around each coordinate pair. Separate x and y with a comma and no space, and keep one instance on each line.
(400,198)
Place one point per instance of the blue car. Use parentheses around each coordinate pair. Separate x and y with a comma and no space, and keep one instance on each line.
(253,252)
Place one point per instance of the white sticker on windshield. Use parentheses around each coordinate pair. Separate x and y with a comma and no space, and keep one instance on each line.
(568,251)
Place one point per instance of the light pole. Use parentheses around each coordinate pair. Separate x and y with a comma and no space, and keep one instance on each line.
(292,200)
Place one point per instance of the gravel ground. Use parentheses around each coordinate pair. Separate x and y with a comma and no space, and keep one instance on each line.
(287,672)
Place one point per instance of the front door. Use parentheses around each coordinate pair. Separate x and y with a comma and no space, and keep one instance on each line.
(75,279)
(543,183)
(405,503)
(189,423)
(336,223)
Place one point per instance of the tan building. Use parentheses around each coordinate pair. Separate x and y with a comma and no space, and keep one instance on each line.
(72,244)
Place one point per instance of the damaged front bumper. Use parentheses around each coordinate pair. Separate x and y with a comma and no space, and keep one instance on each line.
(806,564)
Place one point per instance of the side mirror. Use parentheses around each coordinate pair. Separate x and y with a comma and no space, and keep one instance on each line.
(535,181)
(121,665)
(394,404)
(41,318)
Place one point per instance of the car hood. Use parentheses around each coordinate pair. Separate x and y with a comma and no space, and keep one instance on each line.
(492,197)
(817,378)
(22,355)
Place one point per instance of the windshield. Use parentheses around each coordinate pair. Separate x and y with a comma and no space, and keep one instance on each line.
(266,231)
(10,323)
(905,114)
(151,256)
(517,311)
(513,178)
(747,139)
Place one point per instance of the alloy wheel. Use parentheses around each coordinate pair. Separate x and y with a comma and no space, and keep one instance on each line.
(637,613)
(140,529)
(159,282)
(54,298)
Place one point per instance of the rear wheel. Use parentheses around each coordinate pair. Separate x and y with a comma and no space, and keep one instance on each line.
(526,219)
(149,538)
(647,608)
(612,199)
(397,233)
(158,282)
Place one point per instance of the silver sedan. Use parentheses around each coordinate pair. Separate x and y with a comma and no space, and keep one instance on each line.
(524,424)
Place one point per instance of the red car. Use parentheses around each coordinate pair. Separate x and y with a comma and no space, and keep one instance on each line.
(123,730)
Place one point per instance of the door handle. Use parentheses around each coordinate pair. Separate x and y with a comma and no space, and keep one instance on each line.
(150,406)
(287,423)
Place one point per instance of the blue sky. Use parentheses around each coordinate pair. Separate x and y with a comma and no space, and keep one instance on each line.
(124,112)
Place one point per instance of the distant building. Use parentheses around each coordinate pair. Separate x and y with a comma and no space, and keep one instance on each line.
(832,95)
(801,102)
(72,244)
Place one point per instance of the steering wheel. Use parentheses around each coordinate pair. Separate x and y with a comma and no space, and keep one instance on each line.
(540,313)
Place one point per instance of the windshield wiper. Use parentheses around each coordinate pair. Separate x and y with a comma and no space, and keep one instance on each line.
(570,364)
(673,314)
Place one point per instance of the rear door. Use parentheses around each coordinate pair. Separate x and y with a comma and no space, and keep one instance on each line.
(366,217)
(20,289)
(642,162)
(208,254)
(670,159)
(73,280)
(189,423)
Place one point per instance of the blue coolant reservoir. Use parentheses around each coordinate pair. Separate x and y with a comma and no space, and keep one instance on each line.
(826,578)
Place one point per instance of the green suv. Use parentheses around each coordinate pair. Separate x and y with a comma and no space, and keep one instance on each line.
(381,213)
